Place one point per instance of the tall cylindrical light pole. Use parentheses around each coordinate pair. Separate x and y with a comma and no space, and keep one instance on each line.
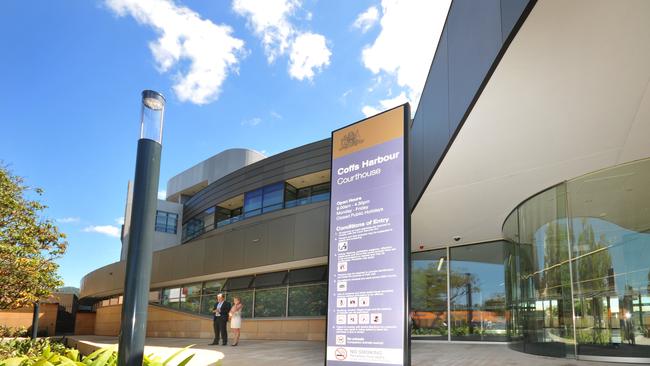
(143,216)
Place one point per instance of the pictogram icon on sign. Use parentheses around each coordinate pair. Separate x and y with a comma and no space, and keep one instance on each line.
(341,354)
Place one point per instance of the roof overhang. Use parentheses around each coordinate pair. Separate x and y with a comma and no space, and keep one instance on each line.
(570,96)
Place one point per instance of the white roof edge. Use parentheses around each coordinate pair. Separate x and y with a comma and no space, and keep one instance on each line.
(212,169)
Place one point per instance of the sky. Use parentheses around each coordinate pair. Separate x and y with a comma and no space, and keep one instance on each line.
(268,75)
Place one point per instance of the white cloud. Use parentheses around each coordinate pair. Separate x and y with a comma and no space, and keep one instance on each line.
(68,220)
(183,35)
(120,220)
(162,194)
(275,115)
(109,230)
(270,21)
(367,19)
(385,104)
(251,122)
(309,52)
(406,44)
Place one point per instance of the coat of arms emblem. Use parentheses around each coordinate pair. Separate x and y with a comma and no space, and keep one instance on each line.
(350,139)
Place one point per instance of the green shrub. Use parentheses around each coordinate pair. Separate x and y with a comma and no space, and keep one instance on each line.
(42,352)
(10,332)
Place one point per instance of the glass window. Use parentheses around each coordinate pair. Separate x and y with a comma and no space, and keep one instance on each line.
(477,293)
(270,279)
(320,192)
(166,222)
(191,303)
(238,283)
(309,300)
(543,303)
(429,294)
(208,218)
(213,287)
(610,237)
(192,290)
(246,298)
(273,197)
(306,275)
(207,304)
(222,216)
(270,302)
(303,196)
(154,296)
(290,195)
(171,297)
(253,203)
(192,228)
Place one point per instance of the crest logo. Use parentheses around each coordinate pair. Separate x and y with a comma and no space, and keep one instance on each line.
(350,139)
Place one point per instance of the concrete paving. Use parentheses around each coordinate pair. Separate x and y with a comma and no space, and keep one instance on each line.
(305,353)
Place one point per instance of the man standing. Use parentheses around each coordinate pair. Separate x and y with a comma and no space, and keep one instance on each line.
(220,320)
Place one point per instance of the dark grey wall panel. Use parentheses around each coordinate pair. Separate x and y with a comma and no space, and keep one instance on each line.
(256,247)
(233,251)
(311,234)
(430,130)
(213,260)
(281,235)
(474,39)
(511,10)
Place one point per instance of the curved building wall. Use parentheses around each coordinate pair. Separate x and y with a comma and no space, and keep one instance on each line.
(285,239)
(209,171)
(303,160)
(578,267)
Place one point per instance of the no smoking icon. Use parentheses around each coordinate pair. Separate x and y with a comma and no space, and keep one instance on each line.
(341,354)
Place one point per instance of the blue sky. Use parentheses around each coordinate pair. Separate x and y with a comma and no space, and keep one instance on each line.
(263,74)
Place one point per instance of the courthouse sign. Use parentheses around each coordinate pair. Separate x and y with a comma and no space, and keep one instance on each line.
(368,243)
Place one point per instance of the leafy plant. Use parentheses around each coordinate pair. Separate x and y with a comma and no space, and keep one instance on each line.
(42,352)
(29,245)
(10,332)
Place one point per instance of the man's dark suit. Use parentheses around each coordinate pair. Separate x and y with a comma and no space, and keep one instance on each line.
(220,322)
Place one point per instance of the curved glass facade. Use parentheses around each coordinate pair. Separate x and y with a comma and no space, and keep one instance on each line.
(578,267)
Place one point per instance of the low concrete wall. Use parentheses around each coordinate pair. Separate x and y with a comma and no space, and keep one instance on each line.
(23,318)
(170,323)
(84,324)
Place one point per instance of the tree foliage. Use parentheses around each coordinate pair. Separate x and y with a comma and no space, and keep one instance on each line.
(28,245)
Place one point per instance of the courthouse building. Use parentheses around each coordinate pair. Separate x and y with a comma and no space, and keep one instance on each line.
(529,176)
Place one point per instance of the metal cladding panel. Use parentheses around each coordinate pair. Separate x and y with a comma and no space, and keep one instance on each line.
(311,234)
(474,35)
(289,164)
(511,10)
(281,233)
(430,132)
(213,258)
(233,251)
(256,245)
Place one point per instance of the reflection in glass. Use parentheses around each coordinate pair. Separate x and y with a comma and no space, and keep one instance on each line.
(611,251)
(310,300)
(270,302)
(477,292)
(581,250)
(429,294)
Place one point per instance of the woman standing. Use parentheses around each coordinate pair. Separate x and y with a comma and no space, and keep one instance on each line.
(235,317)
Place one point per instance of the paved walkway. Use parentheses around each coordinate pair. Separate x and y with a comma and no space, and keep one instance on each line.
(305,353)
